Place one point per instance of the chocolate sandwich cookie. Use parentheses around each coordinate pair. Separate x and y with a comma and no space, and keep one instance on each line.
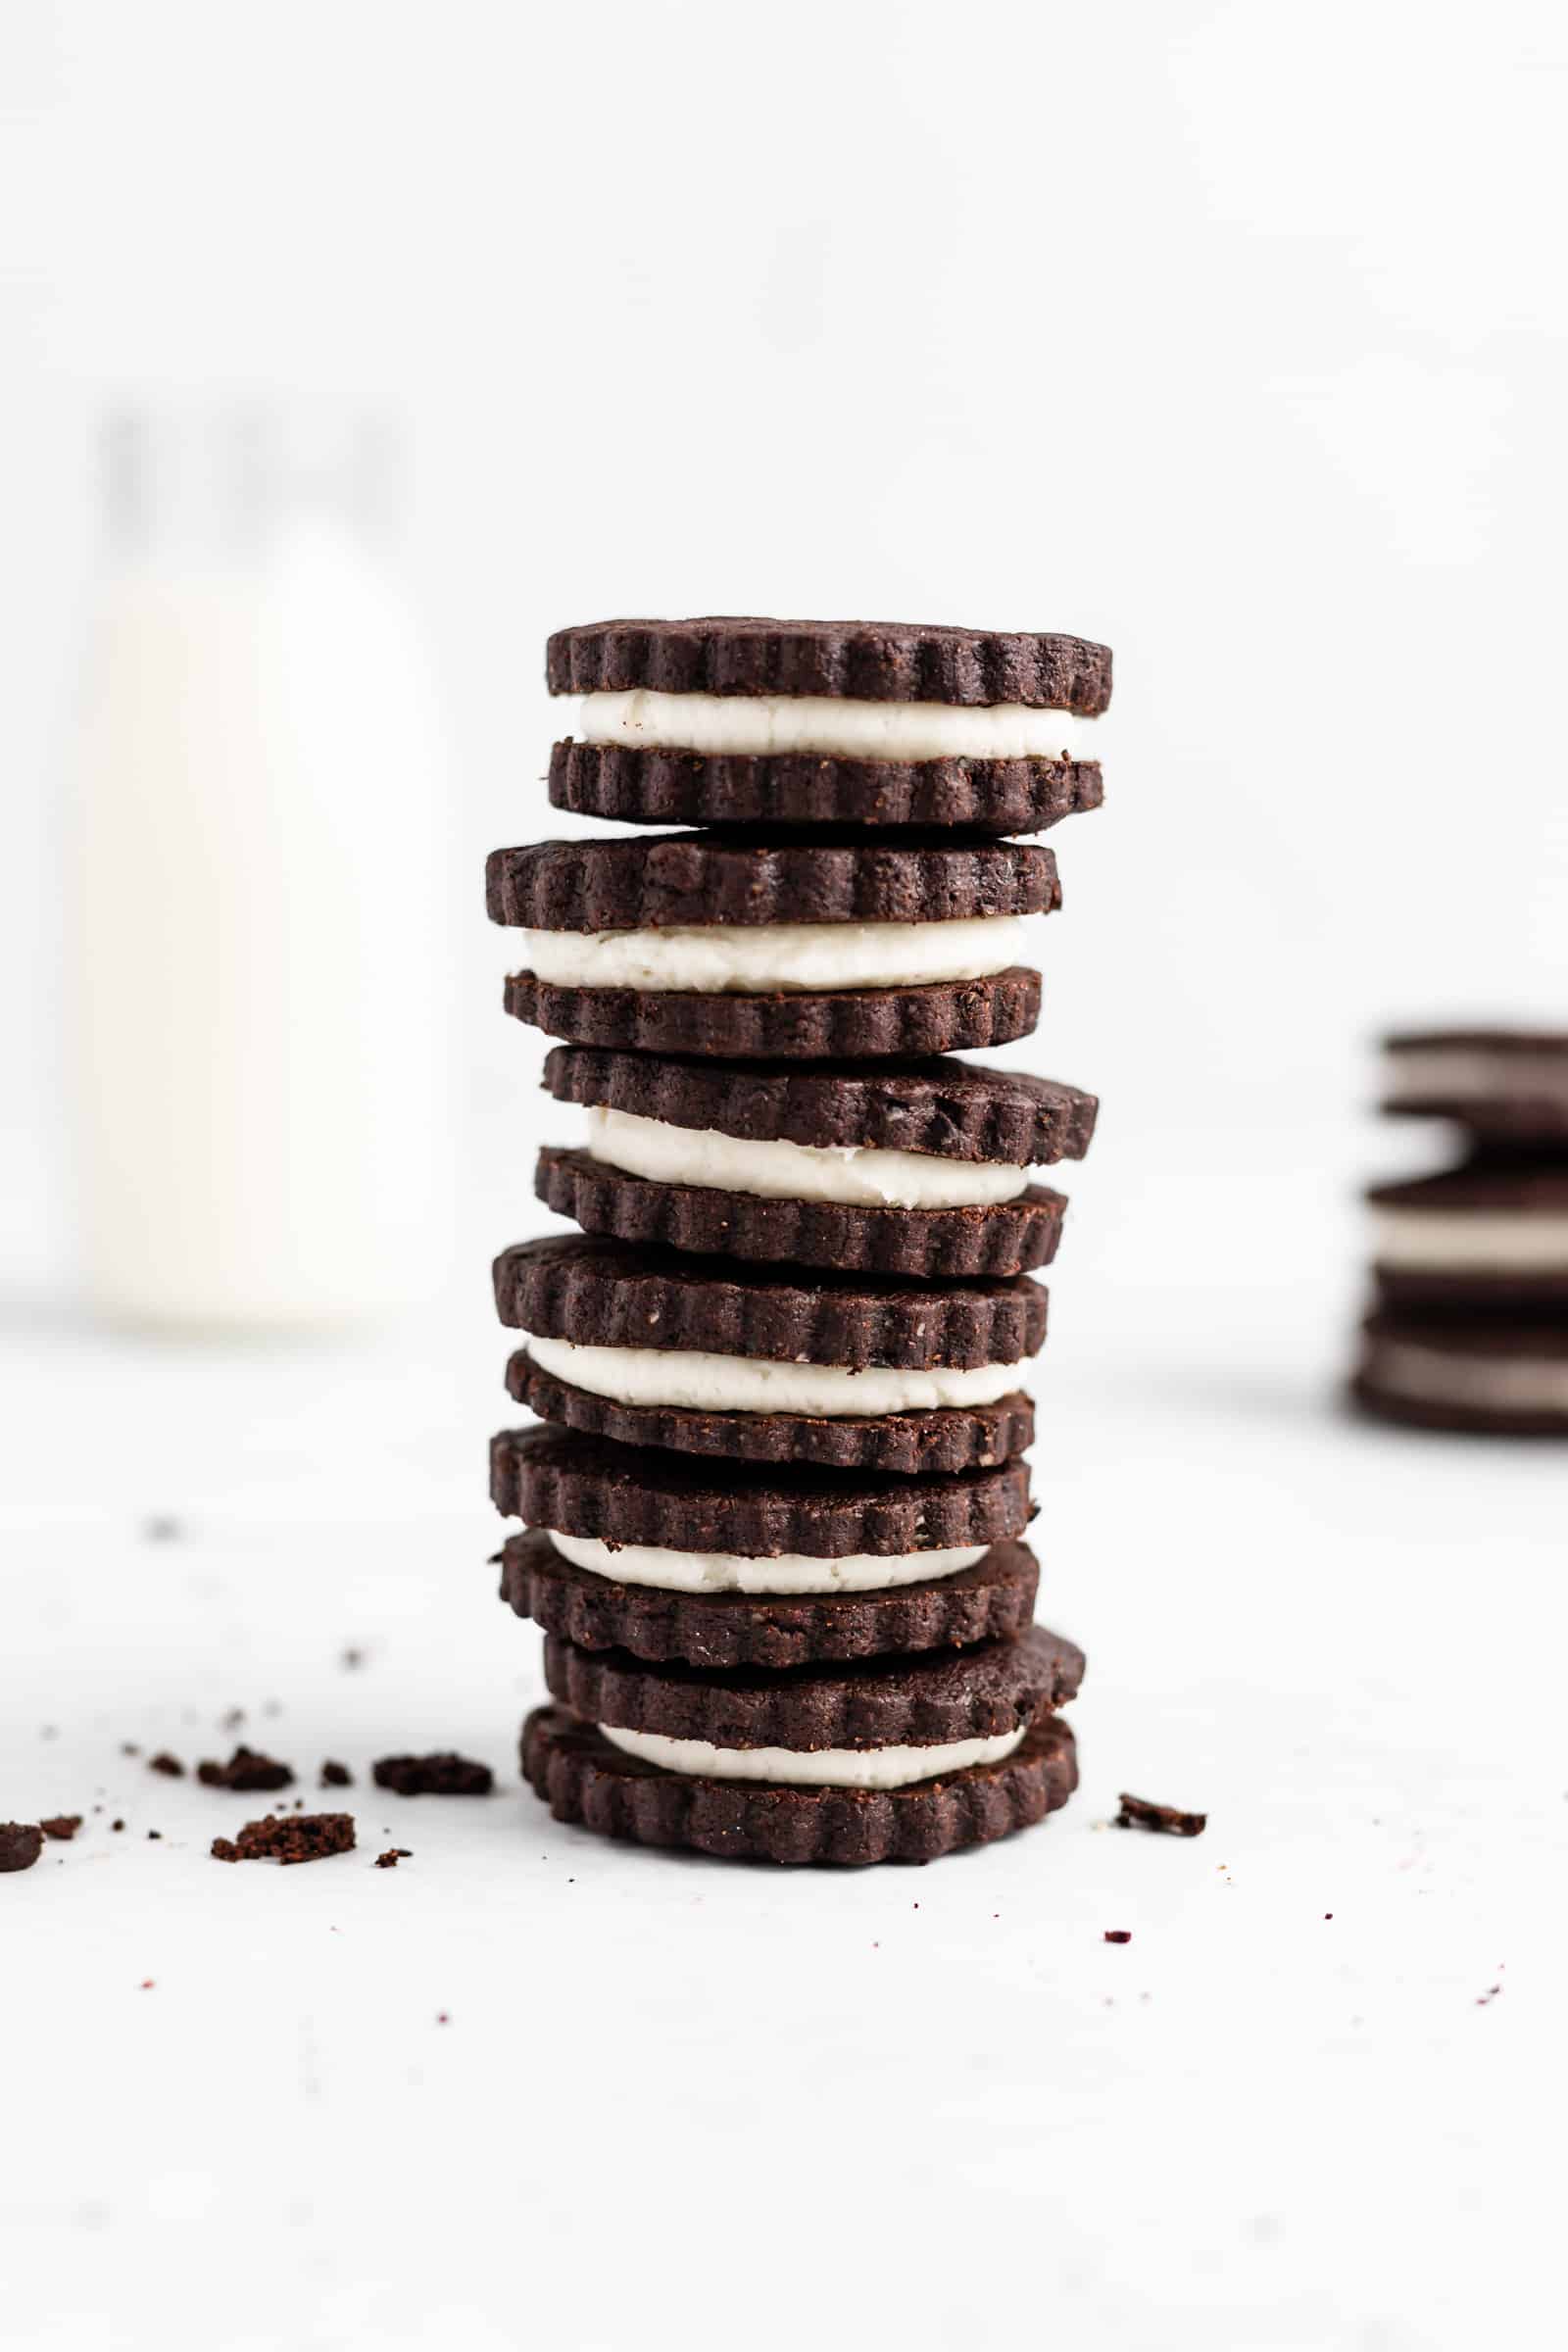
(727,722)
(920,1169)
(1490,1237)
(1509,1087)
(797,944)
(768,1367)
(896,1758)
(991,1600)
(1467,1373)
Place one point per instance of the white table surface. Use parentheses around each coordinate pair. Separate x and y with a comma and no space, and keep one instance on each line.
(532,2088)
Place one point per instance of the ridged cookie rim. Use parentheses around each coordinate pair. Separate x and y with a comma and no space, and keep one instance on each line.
(993,1600)
(940,1017)
(859,660)
(941,1108)
(915,1444)
(628,784)
(1004,1236)
(590,1291)
(584,1779)
(916,1699)
(586,1486)
(639,882)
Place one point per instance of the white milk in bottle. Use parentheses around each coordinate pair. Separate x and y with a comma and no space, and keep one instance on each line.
(258,887)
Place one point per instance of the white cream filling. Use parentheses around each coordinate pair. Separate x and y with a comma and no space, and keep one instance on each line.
(748,959)
(1436,1376)
(815,1768)
(1468,1073)
(738,1572)
(1500,1241)
(760,723)
(739,1384)
(779,1171)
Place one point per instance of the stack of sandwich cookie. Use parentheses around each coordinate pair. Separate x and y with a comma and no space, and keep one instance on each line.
(1471,1327)
(774,1521)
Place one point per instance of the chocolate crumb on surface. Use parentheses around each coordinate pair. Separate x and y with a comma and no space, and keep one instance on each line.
(155,1834)
(286,1838)
(335,1775)
(441,1774)
(21,1844)
(169,1766)
(116,1824)
(1118,1935)
(1139,1813)
(61,1826)
(247,1769)
(393,1857)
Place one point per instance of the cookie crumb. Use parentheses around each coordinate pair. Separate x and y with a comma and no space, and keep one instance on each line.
(393,1857)
(155,1834)
(116,1824)
(21,1844)
(335,1775)
(62,1826)
(440,1773)
(169,1766)
(1118,1935)
(1168,1821)
(247,1769)
(286,1838)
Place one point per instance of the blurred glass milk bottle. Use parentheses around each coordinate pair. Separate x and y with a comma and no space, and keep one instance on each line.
(258,941)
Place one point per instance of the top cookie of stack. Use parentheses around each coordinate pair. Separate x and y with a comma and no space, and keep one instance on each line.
(859,898)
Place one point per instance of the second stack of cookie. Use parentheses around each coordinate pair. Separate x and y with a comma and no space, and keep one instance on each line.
(775,1516)
(1470,1326)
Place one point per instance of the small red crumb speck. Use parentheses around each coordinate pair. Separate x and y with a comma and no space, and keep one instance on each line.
(1328,1915)
(148,1983)
(1118,1935)
(442,2017)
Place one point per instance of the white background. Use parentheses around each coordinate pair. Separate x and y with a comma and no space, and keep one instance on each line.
(1236,336)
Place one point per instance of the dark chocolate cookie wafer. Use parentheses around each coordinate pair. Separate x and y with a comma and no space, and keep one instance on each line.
(994,1600)
(1509,1087)
(914,1444)
(600,1294)
(664,880)
(583,1778)
(1466,1373)
(940,1017)
(941,1108)
(638,787)
(1490,1237)
(1005,1237)
(621,1495)
(861,660)
(917,1701)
